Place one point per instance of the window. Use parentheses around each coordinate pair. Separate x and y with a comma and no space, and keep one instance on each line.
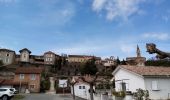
(32,86)
(155,85)
(32,76)
(123,86)
(7,60)
(24,55)
(82,87)
(48,59)
(2,90)
(21,76)
(7,54)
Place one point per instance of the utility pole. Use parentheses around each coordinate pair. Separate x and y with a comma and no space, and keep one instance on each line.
(20,84)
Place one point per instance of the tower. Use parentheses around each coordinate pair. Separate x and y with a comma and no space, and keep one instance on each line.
(138,51)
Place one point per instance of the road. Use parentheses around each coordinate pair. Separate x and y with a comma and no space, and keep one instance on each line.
(48,97)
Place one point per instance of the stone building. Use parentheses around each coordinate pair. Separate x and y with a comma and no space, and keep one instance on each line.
(7,56)
(109,63)
(25,55)
(50,57)
(138,60)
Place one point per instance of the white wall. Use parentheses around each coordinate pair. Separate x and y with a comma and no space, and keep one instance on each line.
(135,81)
(83,93)
(163,86)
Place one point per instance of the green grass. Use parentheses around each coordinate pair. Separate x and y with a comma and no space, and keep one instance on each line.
(18,97)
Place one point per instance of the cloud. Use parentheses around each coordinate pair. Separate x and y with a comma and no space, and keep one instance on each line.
(157,36)
(128,49)
(117,8)
(166,16)
(87,47)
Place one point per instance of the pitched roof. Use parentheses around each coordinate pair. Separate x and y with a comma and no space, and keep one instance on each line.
(49,52)
(25,49)
(147,70)
(11,82)
(28,70)
(8,50)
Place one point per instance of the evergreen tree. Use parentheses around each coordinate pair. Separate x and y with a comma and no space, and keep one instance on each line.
(123,62)
(118,61)
(89,67)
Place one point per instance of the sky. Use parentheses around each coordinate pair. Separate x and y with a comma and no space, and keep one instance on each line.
(86,27)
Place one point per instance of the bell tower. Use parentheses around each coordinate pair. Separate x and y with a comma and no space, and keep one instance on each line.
(138,51)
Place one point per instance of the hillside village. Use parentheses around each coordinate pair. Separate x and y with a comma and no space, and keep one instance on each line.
(52,73)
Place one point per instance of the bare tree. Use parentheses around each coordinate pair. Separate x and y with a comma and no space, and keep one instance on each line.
(72,83)
(91,81)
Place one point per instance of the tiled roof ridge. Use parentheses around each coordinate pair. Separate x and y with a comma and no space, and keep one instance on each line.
(148,70)
(29,70)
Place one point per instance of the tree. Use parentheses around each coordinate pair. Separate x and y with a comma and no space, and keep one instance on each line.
(165,63)
(141,93)
(45,82)
(72,83)
(89,67)
(91,81)
(64,61)
(123,62)
(117,61)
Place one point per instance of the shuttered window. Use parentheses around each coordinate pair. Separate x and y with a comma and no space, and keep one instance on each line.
(155,85)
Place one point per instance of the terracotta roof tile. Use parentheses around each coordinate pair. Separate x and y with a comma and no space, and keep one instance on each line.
(148,70)
(28,70)
(11,82)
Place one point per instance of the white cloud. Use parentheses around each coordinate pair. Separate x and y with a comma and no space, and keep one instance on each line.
(158,36)
(128,49)
(98,4)
(86,47)
(166,16)
(117,8)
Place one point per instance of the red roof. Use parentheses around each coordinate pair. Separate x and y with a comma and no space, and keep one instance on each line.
(29,70)
(11,82)
(147,70)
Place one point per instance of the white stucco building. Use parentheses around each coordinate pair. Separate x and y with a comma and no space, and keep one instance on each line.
(154,79)
(81,89)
